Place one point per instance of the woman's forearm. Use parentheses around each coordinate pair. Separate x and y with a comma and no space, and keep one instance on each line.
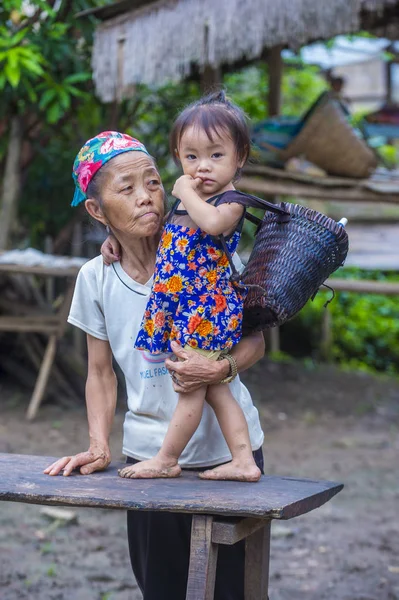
(249,350)
(101,394)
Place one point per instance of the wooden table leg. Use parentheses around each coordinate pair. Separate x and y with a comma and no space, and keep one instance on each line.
(257,556)
(42,379)
(203,559)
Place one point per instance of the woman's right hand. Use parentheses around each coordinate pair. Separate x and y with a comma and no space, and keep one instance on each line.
(97,458)
(110,250)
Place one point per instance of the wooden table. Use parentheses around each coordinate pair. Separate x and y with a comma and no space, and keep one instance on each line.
(44,320)
(223,512)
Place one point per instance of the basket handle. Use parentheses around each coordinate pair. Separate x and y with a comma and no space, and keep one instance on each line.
(248,200)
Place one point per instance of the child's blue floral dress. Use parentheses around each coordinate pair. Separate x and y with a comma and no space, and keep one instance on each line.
(192,299)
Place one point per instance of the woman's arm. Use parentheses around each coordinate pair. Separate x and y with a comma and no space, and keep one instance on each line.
(101,388)
(215,220)
(193,370)
(111,250)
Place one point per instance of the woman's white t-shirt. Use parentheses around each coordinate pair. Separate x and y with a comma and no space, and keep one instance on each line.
(109,305)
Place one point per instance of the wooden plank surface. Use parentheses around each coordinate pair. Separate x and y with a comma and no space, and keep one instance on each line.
(22,480)
(373,246)
(364,286)
(270,187)
(38,270)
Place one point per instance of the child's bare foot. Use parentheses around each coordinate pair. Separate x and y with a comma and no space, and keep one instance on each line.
(153,468)
(234,471)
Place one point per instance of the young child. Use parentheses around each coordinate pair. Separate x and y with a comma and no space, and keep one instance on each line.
(193,300)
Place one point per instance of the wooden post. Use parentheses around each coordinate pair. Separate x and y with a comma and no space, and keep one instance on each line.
(388,82)
(274,339)
(211,77)
(203,558)
(48,248)
(275,65)
(42,379)
(11,182)
(326,336)
(257,556)
(78,335)
(118,95)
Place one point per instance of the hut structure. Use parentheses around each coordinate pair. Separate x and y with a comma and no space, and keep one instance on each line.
(152,42)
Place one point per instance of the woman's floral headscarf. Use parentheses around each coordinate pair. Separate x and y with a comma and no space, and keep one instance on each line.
(95,153)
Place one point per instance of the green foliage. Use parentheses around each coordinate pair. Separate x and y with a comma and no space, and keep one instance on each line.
(19,61)
(365,327)
(45,76)
(300,87)
(40,65)
(389,154)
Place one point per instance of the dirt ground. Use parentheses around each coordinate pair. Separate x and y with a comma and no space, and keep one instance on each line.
(319,423)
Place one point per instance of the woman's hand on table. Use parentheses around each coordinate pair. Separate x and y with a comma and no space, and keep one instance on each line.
(110,250)
(97,458)
(193,371)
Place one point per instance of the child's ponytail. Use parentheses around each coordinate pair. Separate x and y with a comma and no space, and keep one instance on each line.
(217,97)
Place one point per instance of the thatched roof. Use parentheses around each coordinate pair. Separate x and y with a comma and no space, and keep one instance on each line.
(159,41)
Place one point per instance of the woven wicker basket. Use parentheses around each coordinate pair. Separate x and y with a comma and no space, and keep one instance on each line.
(330,142)
(290,260)
(295,250)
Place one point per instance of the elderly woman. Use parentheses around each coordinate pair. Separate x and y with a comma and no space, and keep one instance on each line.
(121,187)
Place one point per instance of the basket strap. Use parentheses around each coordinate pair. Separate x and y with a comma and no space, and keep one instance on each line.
(248,200)
(235,274)
(253,202)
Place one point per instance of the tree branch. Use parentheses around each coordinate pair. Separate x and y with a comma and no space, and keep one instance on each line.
(30,21)
(64,10)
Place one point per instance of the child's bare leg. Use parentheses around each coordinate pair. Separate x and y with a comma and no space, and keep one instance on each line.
(182,427)
(235,430)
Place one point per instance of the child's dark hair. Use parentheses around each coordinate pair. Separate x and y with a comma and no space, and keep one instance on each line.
(214,114)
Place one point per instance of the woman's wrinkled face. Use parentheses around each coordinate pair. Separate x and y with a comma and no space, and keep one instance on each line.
(132,195)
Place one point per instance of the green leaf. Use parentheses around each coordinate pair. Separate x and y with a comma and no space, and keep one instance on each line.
(18,37)
(65,99)
(13,75)
(32,66)
(13,58)
(74,91)
(30,91)
(54,113)
(47,98)
(77,77)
